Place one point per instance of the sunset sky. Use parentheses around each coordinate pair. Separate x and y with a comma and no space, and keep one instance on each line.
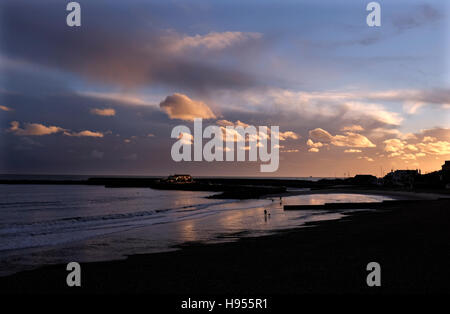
(103,98)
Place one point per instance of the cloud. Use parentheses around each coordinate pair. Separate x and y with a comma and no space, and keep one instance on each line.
(232,134)
(414,99)
(33,129)
(85,133)
(37,129)
(394,145)
(226,123)
(107,112)
(409,149)
(213,40)
(127,99)
(352,128)
(282,136)
(350,139)
(186,138)
(310,143)
(435,148)
(179,106)
(5,108)
(379,133)
(346,106)
(127,53)
(321,135)
(352,151)
(313,150)
(412,148)
(356,110)
(366,158)
(408,157)
(429,139)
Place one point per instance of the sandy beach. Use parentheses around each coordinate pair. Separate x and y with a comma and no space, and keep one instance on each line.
(411,245)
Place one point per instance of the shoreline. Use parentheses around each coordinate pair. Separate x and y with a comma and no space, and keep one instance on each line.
(223,236)
(405,195)
(242,188)
(411,244)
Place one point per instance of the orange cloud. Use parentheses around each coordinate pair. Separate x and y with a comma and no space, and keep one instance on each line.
(350,139)
(33,129)
(179,106)
(366,158)
(282,136)
(352,128)
(226,123)
(85,133)
(186,138)
(4,108)
(430,145)
(37,129)
(394,145)
(352,151)
(107,112)
(316,145)
(435,148)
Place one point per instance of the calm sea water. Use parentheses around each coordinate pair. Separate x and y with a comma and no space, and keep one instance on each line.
(48,224)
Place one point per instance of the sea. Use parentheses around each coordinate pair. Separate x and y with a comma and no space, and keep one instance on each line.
(57,224)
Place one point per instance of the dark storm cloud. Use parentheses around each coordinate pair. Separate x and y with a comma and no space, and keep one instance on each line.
(110,47)
(23,151)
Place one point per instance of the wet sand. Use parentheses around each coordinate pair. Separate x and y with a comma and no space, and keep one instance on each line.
(400,194)
(411,245)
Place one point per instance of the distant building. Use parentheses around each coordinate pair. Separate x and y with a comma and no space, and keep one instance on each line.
(180,178)
(401,177)
(445,174)
(446,166)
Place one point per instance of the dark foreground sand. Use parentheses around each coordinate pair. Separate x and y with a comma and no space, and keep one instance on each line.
(412,245)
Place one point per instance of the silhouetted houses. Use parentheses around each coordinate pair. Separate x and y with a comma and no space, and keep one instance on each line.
(445,174)
(404,178)
(446,166)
